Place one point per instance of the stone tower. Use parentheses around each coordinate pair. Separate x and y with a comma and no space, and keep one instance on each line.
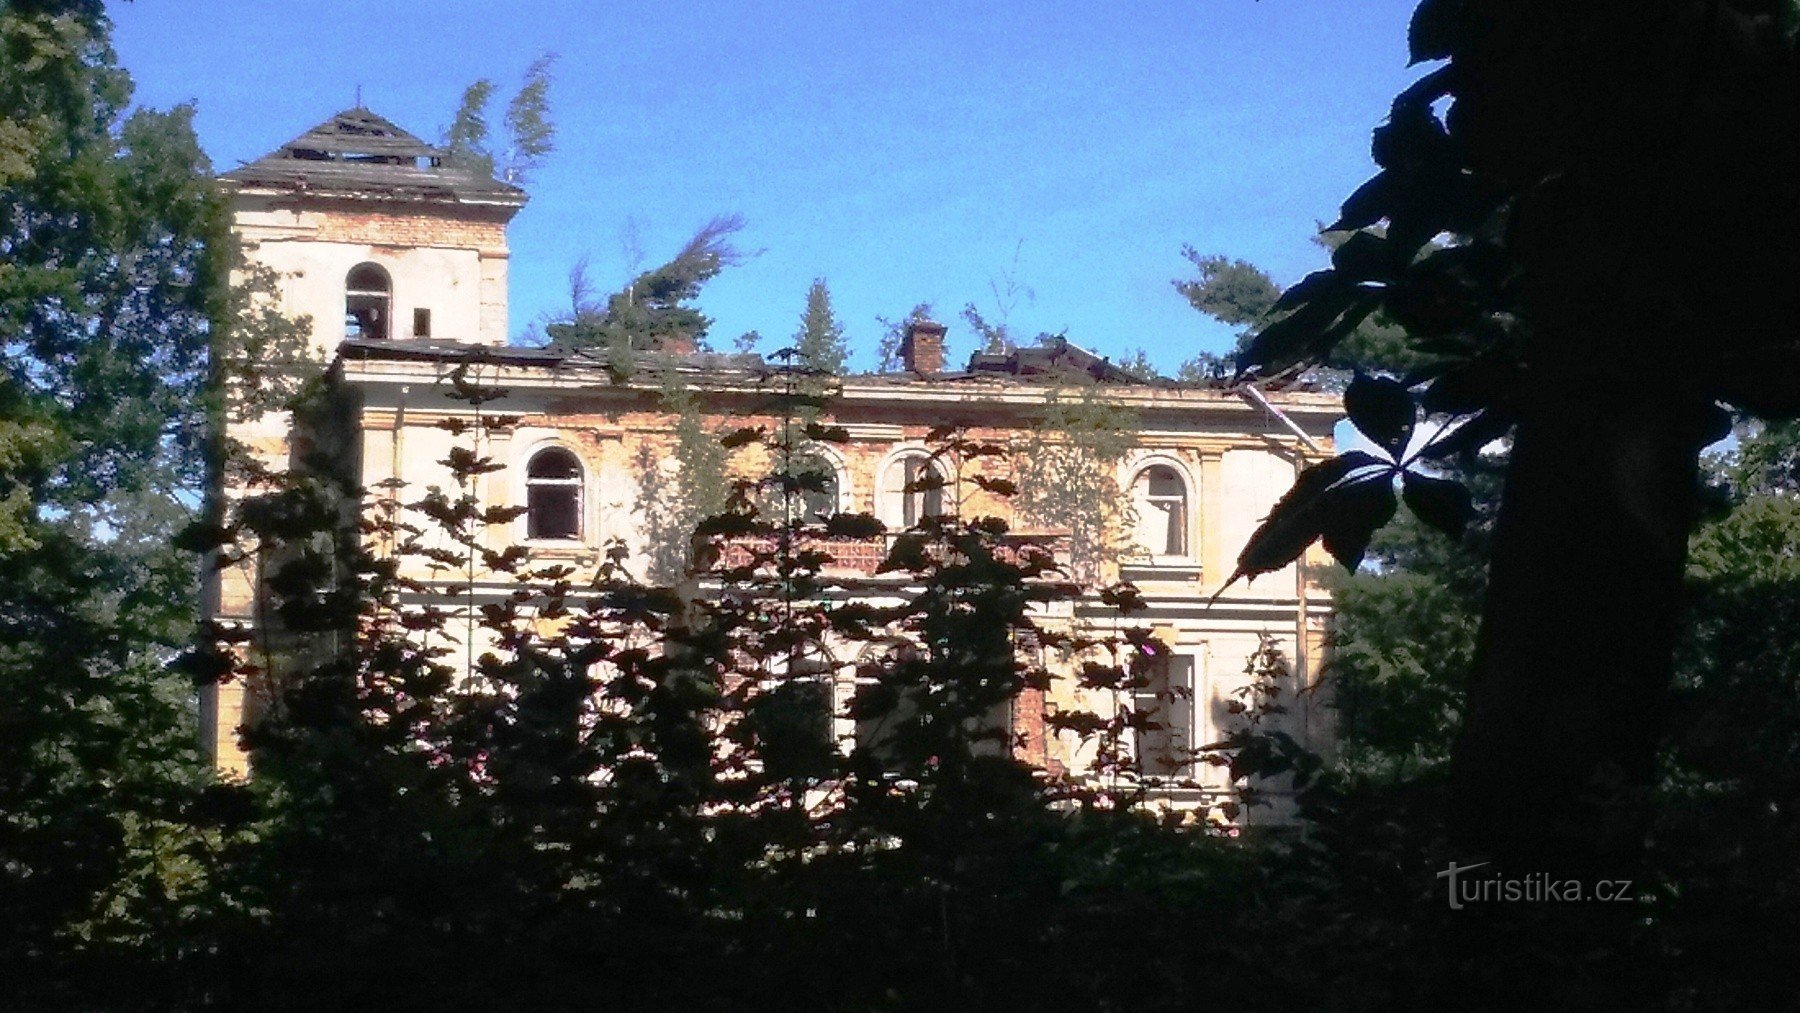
(372,235)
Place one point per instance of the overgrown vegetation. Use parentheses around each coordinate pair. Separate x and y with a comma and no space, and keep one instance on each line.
(638,794)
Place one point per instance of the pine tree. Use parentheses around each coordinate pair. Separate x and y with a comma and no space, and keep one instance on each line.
(819,343)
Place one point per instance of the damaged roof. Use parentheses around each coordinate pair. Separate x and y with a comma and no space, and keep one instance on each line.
(1054,362)
(360,154)
(1054,357)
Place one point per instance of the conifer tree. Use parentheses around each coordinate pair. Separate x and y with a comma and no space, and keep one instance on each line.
(819,343)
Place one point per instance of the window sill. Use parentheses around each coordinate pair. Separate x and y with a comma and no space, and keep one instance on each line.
(1169,568)
(558,548)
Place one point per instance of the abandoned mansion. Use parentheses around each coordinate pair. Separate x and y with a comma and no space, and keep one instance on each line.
(396,259)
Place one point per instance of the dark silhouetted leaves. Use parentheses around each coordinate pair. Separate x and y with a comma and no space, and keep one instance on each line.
(1383,410)
(997,486)
(1365,256)
(1469,437)
(741,437)
(1439,502)
(1351,514)
(1433,31)
(1306,512)
(853,526)
(1309,332)
(1366,206)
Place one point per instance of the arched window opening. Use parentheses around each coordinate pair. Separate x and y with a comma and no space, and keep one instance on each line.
(817,487)
(912,489)
(367,295)
(553,495)
(1160,498)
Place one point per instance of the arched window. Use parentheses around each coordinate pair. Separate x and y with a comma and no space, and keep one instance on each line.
(368,293)
(818,486)
(553,495)
(1159,495)
(912,489)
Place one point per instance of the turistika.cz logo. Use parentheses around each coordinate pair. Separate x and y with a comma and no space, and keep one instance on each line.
(1532,888)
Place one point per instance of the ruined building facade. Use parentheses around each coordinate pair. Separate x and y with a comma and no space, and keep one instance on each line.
(398,260)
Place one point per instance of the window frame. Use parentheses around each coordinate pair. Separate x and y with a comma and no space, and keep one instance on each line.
(839,496)
(893,505)
(386,294)
(1191,732)
(1189,516)
(578,483)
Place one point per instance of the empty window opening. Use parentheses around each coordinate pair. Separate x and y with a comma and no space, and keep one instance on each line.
(367,295)
(553,495)
(1160,499)
(421,323)
(817,492)
(912,490)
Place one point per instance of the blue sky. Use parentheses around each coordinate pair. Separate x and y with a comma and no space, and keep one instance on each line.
(903,151)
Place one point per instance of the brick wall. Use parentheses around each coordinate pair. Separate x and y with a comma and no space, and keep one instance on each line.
(412,226)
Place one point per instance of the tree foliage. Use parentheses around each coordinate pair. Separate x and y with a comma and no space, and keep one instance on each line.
(654,311)
(1068,470)
(893,332)
(819,343)
(530,133)
(1538,167)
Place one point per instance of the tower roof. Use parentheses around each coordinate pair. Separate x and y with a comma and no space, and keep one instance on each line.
(360,154)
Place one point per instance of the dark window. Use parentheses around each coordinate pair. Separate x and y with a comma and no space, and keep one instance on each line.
(818,487)
(421,323)
(553,495)
(885,704)
(367,295)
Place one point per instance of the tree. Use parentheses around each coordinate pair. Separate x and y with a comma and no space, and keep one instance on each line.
(998,336)
(117,331)
(654,311)
(1068,475)
(1554,314)
(1243,295)
(893,332)
(819,343)
(530,133)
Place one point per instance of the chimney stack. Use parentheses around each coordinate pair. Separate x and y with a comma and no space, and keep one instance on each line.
(922,347)
(679,344)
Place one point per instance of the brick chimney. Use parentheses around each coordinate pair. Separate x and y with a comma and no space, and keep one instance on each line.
(680,344)
(922,347)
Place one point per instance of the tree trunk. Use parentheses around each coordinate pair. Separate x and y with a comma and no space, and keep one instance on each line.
(1575,655)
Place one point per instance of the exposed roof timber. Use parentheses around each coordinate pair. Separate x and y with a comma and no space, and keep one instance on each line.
(359,154)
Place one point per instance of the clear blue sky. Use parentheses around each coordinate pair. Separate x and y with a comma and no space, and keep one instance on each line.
(902,150)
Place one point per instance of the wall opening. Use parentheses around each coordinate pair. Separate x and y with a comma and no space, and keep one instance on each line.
(553,495)
(368,293)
